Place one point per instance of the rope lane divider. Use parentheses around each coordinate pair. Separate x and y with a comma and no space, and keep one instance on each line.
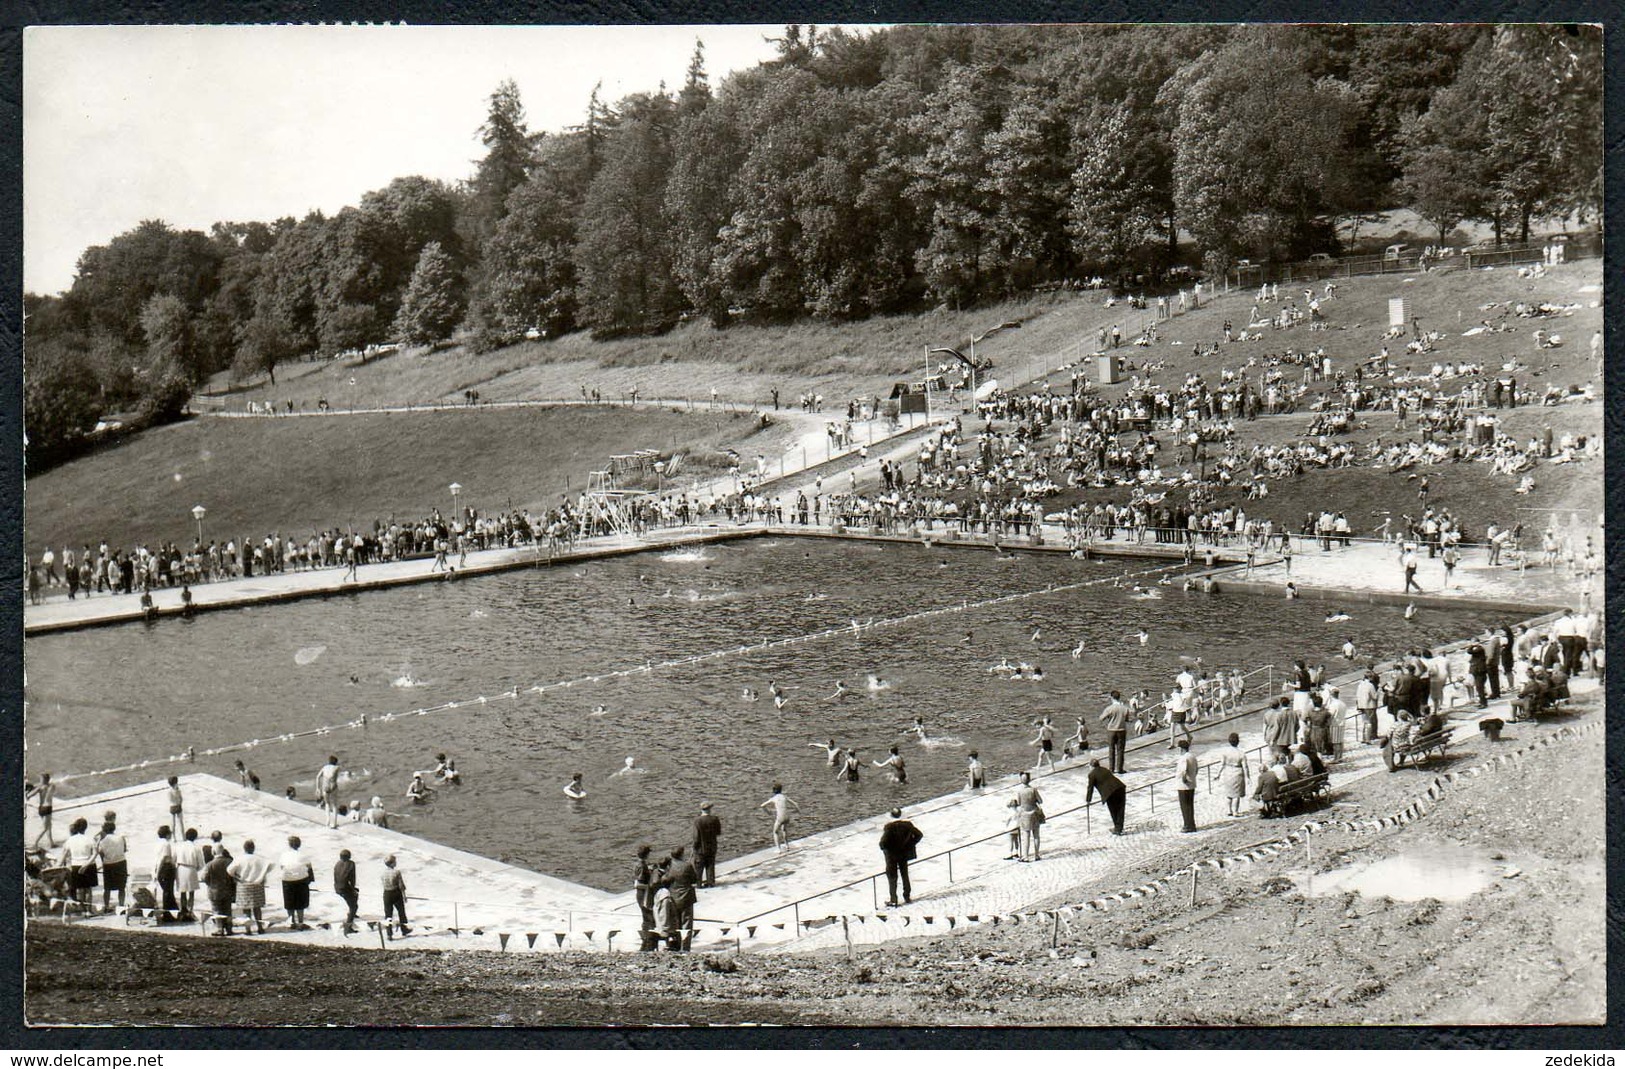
(191,754)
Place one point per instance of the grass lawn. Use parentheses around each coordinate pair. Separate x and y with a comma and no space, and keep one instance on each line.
(256,476)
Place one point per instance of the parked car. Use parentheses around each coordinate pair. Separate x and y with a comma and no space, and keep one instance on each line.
(1394,252)
(1322,258)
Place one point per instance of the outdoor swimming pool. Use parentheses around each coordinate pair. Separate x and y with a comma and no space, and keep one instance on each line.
(114,695)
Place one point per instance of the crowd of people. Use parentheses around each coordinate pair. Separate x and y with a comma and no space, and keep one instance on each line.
(195,878)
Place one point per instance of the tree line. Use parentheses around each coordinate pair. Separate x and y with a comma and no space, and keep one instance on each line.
(850,175)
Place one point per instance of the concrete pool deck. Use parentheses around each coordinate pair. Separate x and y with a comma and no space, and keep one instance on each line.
(759,900)
(1363,571)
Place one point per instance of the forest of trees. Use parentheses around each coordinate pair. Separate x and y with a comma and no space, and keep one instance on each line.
(852,174)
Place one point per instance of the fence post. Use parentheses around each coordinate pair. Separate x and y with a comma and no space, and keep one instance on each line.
(1153,792)
(950,866)
(797,906)
(874,892)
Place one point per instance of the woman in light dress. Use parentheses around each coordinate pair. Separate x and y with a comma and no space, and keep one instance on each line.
(1233,774)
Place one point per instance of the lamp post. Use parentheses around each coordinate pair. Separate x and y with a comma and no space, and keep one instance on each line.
(456,488)
(197,514)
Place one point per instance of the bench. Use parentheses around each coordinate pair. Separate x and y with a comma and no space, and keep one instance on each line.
(1309,789)
(1548,705)
(1418,750)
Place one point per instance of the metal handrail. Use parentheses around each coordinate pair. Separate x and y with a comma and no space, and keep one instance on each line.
(948,853)
(1149,787)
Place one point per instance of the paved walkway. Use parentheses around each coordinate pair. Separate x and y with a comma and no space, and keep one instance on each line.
(1363,571)
(1371,570)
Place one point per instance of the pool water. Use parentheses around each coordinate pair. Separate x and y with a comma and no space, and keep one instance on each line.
(107,697)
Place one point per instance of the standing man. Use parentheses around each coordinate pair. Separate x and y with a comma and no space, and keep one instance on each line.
(344,886)
(781,816)
(1111,792)
(1045,743)
(327,786)
(1185,771)
(395,894)
(898,840)
(113,852)
(1409,560)
(44,796)
(644,892)
(680,880)
(975,773)
(707,830)
(1492,660)
(1115,717)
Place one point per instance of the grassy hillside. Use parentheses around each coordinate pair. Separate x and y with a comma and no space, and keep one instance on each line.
(839,360)
(1450,301)
(256,476)
(262,475)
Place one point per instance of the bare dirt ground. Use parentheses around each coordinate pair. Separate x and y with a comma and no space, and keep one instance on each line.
(1256,948)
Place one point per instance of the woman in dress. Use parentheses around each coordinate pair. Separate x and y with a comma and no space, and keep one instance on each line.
(1233,774)
(188,867)
(296,879)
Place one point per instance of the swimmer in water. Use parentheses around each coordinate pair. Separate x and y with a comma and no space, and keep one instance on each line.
(1077,651)
(1142,636)
(1004,665)
(418,791)
(876,683)
(1337,616)
(848,770)
(967,639)
(781,697)
(629,769)
(831,751)
(1291,591)
(1037,631)
(839,693)
(1410,611)
(918,730)
(574,789)
(750,695)
(354,680)
(599,710)
(1348,650)
(894,761)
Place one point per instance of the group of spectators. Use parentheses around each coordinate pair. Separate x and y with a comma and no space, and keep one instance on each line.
(193,876)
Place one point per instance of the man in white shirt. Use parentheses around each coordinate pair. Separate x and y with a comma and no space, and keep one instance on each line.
(1185,785)
(1566,629)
